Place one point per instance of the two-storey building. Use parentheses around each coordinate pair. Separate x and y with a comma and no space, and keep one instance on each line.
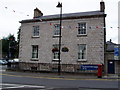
(83,38)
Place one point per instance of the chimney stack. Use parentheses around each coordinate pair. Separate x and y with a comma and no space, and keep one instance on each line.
(37,13)
(102,6)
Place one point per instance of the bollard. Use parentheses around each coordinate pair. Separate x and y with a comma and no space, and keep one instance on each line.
(99,71)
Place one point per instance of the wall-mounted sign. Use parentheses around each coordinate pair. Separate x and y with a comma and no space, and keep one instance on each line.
(116,53)
(88,67)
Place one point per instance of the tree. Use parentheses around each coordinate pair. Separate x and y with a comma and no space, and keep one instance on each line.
(10,47)
(5,47)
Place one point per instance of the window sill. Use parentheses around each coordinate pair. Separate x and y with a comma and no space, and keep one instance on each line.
(34,59)
(57,60)
(35,36)
(81,60)
(56,36)
(81,35)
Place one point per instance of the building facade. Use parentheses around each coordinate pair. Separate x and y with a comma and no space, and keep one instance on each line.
(82,40)
(112,64)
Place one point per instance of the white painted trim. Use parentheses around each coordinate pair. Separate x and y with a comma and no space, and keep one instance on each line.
(82,60)
(86,29)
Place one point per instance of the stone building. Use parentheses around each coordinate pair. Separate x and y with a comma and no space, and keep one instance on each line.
(82,40)
(112,64)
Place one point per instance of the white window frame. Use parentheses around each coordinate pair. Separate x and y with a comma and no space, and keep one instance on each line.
(56,53)
(35,49)
(36,31)
(56,30)
(80,52)
(82,28)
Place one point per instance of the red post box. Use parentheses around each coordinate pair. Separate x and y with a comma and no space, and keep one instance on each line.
(99,71)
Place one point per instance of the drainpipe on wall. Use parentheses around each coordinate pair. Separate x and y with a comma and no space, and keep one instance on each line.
(102,9)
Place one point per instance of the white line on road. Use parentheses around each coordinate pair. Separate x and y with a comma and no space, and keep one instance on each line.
(6,86)
(2,70)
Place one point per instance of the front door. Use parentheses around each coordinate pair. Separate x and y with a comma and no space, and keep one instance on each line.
(111,67)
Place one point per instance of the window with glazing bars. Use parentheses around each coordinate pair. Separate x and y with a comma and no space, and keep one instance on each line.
(36,30)
(56,51)
(81,28)
(81,51)
(34,51)
(57,29)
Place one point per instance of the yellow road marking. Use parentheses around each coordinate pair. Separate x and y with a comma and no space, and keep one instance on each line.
(60,77)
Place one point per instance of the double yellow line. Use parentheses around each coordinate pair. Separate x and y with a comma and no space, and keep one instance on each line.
(59,78)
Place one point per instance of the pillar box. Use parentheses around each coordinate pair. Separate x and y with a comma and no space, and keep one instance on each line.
(99,71)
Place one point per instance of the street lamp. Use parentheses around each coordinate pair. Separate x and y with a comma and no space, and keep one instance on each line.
(59,66)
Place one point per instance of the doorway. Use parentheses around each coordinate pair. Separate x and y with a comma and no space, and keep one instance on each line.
(111,67)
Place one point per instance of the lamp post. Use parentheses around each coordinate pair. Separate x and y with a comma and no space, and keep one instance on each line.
(59,65)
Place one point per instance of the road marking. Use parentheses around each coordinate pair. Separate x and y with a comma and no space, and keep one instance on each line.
(2,70)
(8,86)
(61,78)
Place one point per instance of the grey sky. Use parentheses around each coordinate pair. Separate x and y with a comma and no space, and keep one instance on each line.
(13,11)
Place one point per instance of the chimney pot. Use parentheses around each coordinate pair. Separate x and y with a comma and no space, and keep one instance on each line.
(102,6)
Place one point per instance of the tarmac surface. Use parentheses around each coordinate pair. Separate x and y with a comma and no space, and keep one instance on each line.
(54,75)
(29,87)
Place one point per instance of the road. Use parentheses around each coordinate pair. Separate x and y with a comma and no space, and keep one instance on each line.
(27,79)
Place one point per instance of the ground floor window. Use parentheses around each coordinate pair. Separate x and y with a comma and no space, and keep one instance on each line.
(81,51)
(55,51)
(34,51)
(56,55)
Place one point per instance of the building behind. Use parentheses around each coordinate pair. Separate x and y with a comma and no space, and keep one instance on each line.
(83,41)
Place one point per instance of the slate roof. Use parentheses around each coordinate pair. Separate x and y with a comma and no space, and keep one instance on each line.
(110,46)
(65,16)
(74,14)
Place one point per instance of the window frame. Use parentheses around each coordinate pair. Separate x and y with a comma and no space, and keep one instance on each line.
(36,31)
(35,52)
(56,55)
(56,31)
(84,57)
(55,52)
(81,30)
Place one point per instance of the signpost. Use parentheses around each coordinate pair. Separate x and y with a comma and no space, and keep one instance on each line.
(116,53)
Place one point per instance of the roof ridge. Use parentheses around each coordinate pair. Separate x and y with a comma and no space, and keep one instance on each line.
(75,13)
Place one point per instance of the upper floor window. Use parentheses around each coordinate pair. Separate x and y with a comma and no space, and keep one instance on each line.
(36,30)
(81,28)
(57,29)
(34,51)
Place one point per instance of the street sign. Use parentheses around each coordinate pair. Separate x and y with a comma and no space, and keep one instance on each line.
(89,67)
(116,53)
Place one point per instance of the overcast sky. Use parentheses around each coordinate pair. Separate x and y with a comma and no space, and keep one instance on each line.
(13,11)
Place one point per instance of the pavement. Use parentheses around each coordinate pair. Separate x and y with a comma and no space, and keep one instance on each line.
(67,76)
(55,75)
